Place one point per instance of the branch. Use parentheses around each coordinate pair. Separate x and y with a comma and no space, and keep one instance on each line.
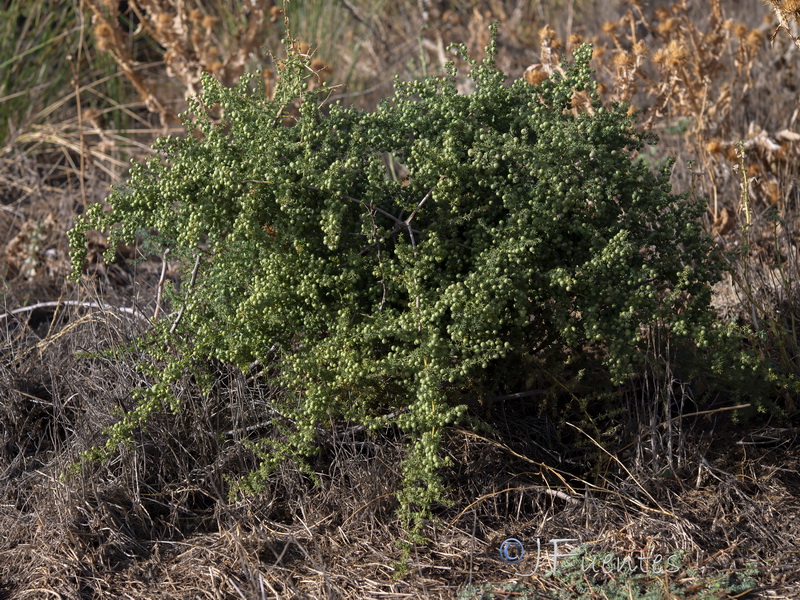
(54,304)
(407,222)
(186,296)
(161,281)
(367,205)
(400,224)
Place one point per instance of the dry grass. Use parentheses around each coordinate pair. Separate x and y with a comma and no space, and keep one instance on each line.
(156,522)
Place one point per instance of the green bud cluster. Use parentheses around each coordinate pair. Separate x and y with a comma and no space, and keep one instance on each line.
(524,227)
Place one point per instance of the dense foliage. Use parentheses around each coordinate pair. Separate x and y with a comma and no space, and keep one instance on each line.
(388,263)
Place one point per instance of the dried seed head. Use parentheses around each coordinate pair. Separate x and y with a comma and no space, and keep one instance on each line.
(660,57)
(677,53)
(792,6)
(320,68)
(639,49)
(599,49)
(196,15)
(548,35)
(575,39)
(622,61)
(714,147)
(301,48)
(668,26)
(534,75)
(754,39)
(609,27)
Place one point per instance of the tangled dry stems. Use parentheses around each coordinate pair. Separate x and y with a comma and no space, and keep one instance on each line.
(155,521)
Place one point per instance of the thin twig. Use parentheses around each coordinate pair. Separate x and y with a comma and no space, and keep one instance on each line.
(399,224)
(624,468)
(704,412)
(522,488)
(161,285)
(77,88)
(367,205)
(57,303)
(186,296)
(519,395)
(377,244)
(11,211)
(407,222)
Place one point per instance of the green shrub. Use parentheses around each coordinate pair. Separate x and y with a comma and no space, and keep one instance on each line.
(523,232)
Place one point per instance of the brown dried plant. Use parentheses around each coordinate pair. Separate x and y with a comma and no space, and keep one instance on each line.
(110,38)
(694,76)
(787,12)
(192,40)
